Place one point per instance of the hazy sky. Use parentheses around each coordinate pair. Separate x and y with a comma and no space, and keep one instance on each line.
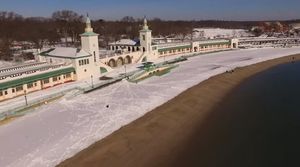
(165,9)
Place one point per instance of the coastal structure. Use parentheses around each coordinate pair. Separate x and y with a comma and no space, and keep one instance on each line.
(258,42)
(60,65)
(53,67)
(127,51)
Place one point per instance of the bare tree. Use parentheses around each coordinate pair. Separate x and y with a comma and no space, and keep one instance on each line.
(69,24)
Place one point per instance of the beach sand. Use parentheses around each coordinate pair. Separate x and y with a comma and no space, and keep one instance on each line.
(159,138)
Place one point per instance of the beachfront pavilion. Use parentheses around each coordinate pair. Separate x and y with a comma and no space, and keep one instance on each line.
(61,64)
(53,67)
(169,49)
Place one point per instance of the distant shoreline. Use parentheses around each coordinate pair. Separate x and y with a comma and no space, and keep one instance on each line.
(156,138)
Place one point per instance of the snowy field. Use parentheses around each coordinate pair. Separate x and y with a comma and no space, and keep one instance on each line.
(61,129)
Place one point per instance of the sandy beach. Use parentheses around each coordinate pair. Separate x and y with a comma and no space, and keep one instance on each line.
(158,138)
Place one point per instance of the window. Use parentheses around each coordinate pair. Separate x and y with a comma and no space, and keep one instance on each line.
(54,79)
(30,85)
(19,88)
(13,90)
(5,92)
(144,37)
(95,57)
(46,81)
(68,75)
(84,62)
(1,93)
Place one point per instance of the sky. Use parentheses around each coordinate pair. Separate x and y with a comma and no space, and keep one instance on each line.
(164,9)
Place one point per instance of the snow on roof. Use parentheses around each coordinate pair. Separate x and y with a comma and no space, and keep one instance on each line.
(296,25)
(220,32)
(214,41)
(172,44)
(125,42)
(4,64)
(65,52)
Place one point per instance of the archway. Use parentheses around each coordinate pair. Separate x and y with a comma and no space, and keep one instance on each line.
(144,49)
(129,49)
(127,60)
(120,62)
(112,63)
(133,49)
(195,49)
(234,45)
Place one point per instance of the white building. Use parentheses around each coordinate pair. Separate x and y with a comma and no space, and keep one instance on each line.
(64,64)
(217,33)
(53,67)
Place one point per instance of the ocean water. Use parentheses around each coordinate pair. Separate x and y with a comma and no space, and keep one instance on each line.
(257,125)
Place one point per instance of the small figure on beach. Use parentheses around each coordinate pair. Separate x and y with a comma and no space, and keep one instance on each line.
(293,59)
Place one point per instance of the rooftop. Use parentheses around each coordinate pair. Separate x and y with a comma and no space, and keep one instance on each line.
(27,70)
(128,42)
(33,78)
(89,34)
(64,52)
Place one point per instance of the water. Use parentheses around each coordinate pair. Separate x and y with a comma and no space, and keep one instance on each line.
(257,125)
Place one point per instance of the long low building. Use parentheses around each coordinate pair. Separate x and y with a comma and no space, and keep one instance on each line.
(268,41)
(62,64)
(32,78)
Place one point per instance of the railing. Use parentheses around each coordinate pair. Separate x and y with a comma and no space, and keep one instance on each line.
(140,58)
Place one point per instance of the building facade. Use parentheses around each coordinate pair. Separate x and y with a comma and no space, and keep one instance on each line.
(53,67)
(60,65)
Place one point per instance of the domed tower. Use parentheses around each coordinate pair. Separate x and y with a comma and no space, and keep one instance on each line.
(89,41)
(146,38)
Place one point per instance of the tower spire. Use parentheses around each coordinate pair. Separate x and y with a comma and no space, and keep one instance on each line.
(88,23)
(145,27)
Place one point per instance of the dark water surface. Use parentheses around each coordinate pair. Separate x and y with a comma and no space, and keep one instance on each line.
(257,125)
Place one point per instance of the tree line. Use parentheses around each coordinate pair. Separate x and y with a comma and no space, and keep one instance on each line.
(64,27)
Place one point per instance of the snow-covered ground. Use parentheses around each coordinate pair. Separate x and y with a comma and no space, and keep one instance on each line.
(62,128)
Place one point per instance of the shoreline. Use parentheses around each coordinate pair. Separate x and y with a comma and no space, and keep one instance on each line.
(157,137)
